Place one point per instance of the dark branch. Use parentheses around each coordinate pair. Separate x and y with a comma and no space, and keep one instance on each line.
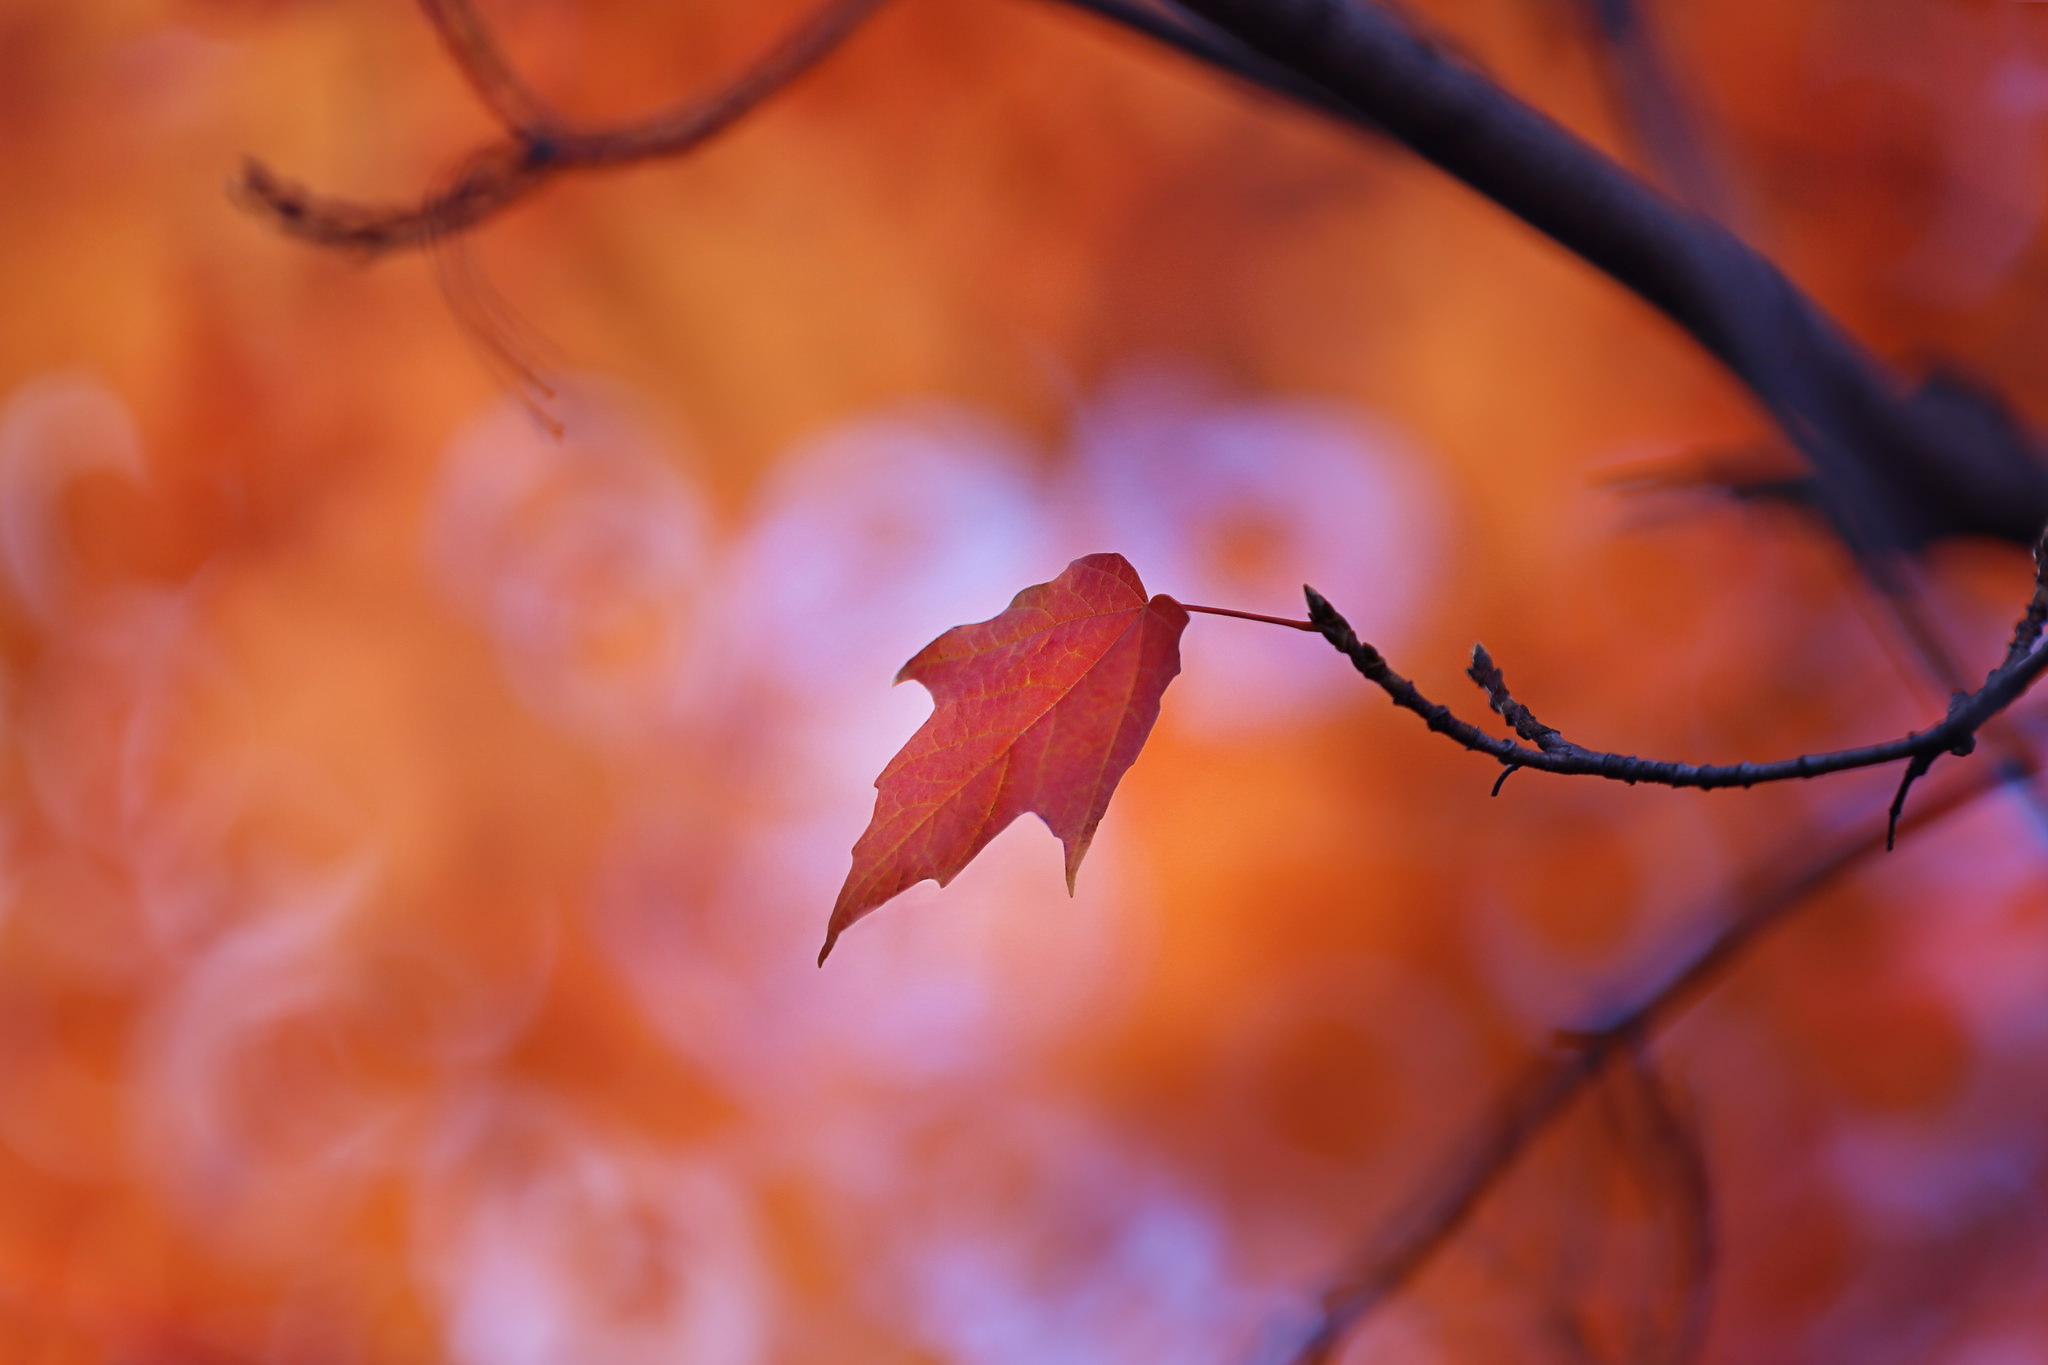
(1894,468)
(1956,734)
(2028,631)
(1550,1082)
(1484,672)
(539,148)
(1918,768)
(1212,46)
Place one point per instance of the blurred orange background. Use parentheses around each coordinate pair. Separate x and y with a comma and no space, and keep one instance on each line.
(418,829)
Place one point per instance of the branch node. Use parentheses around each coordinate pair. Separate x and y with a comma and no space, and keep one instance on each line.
(541,150)
(536,146)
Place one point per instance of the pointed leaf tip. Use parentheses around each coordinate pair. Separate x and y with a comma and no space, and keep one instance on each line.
(1041,709)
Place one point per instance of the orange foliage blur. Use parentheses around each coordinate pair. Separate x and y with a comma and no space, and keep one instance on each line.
(417,829)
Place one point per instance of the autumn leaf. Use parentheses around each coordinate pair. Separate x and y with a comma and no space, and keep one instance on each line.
(1040,709)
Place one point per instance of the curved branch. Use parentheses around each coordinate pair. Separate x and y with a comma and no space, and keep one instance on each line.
(1895,468)
(491,181)
(1553,753)
(539,148)
(1551,1081)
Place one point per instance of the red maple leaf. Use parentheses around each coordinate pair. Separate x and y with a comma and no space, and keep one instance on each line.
(1041,709)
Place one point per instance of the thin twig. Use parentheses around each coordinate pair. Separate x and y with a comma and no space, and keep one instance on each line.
(1287,621)
(2028,631)
(507,342)
(489,73)
(1488,675)
(500,175)
(1677,1137)
(1660,1153)
(1918,767)
(1550,1082)
(1955,734)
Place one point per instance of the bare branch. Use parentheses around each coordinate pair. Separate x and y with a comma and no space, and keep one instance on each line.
(1956,734)
(1488,676)
(2028,631)
(1918,767)
(1894,467)
(503,91)
(1548,1083)
(1208,44)
(539,149)
(492,180)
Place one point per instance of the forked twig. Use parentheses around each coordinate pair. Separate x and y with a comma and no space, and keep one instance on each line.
(1894,467)
(1545,750)
(539,147)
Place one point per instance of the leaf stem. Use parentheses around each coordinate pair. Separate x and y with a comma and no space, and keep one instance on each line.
(1252,616)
